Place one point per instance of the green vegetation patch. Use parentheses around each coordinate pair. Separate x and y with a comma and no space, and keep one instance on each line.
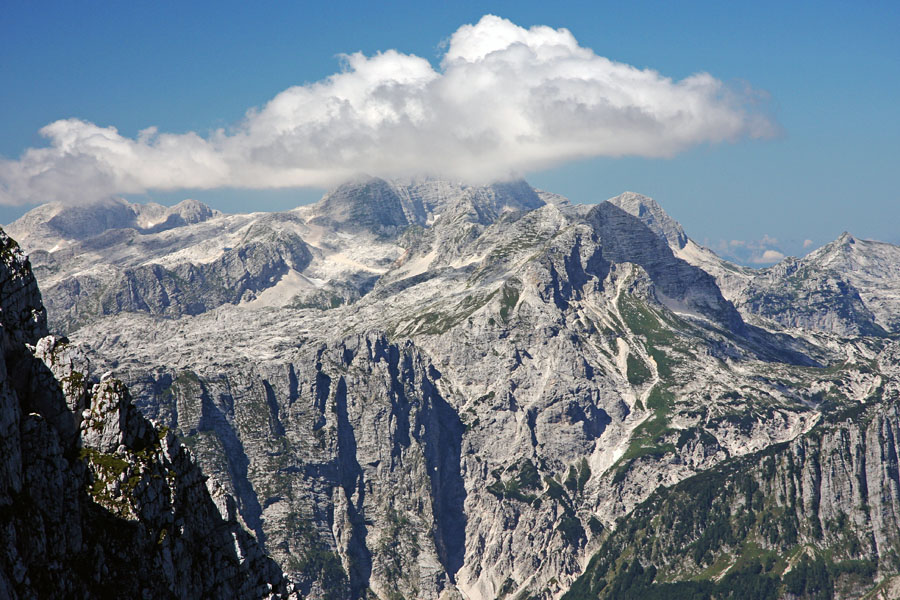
(316,562)
(577,477)
(743,530)
(644,321)
(748,579)
(115,478)
(525,479)
(637,371)
(509,297)
(658,329)
(649,438)
(441,316)
(399,534)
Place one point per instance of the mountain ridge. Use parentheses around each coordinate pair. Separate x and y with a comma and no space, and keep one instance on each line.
(569,360)
(848,287)
(93,497)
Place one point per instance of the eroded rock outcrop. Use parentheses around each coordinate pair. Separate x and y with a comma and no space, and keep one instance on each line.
(818,517)
(94,500)
(460,392)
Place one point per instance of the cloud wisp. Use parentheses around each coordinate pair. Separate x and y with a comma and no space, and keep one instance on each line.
(503,102)
(764,251)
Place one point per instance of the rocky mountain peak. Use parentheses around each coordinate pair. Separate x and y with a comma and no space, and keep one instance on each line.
(51,225)
(517,194)
(653,216)
(844,245)
(387,207)
(80,221)
(193,211)
(22,313)
(855,254)
(154,218)
(626,237)
(846,238)
(369,203)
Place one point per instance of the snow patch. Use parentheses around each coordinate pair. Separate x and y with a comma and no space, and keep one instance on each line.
(281,294)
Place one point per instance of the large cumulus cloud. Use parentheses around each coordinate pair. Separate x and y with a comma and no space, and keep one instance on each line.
(504,101)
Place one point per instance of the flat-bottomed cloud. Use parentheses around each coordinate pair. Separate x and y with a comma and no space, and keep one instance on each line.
(504,101)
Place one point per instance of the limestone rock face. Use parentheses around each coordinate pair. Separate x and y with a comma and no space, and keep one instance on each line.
(431,390)
(832,492)
(21,310)
(653,216)
(849,287)
(626,239)
(798,295)
(93,497)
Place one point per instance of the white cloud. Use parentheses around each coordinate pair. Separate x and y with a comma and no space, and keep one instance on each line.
(769,256)
(748,252)
(505,101)
(807,243)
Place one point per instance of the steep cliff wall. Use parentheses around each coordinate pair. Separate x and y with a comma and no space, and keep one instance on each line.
(94,500)
(449,391)
(818,517)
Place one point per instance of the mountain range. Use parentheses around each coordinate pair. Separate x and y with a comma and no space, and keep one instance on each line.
(424,389)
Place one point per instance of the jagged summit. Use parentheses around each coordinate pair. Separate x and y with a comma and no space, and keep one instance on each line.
(849,286)
(871,267)
(627,238)
(653,216)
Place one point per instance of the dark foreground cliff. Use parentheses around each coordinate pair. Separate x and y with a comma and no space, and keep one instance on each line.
(95,502)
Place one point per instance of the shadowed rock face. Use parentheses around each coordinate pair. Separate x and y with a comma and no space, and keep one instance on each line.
(653,216)
(849,287)
(93,497)
(833,492)
(446,390)
(352,437)
(626,239)
(23,314)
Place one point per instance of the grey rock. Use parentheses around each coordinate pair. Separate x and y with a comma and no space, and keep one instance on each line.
(93,497)
(460,390)
(830,495)
(848,287)
(653,216)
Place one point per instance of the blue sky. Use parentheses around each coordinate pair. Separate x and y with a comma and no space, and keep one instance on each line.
(831,71)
